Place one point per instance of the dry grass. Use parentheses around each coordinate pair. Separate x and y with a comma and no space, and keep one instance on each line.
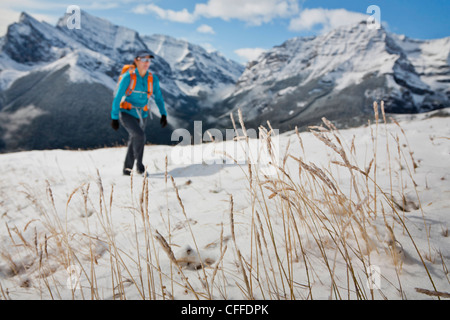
(309,233)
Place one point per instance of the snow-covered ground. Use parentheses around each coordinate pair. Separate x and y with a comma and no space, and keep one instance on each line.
(71,215)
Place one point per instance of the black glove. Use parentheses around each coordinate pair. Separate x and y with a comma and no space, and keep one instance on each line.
(163,121)
(115,124)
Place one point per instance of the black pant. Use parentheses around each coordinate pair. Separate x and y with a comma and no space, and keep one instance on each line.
(136,142)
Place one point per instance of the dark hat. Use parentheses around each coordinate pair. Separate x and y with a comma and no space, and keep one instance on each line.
(144,53)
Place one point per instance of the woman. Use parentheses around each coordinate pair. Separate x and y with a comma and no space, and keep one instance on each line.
(131,106)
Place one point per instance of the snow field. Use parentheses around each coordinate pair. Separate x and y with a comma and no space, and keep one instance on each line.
(349,214)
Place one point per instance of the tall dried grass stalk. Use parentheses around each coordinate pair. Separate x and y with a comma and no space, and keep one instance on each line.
(304,229)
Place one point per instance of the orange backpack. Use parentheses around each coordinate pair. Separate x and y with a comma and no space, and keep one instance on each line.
(131,69)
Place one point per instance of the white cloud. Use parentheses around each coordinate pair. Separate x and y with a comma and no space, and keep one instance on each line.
(208,47)
(204,28)
(249,54)
(100,5)
(8,17)
(254,12)
(177,16)
(328,19)
(51,19)
(27,5)
(14,122)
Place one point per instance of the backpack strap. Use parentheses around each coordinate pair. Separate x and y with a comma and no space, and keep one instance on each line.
(149,89)
(149,85)
(132,71)
(132,85)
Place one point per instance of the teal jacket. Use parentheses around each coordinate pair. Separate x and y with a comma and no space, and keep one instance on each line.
(137,99)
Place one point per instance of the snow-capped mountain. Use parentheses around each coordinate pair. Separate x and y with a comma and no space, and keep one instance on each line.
(56,83)
(199,73)
(338,75)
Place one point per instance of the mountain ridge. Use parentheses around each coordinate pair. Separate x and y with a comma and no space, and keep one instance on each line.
(85,63)
(336,75)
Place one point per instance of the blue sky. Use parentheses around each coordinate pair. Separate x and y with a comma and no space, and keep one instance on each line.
(239,29)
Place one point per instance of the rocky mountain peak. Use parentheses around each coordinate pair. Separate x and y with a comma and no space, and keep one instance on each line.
(339,74)
(57,76)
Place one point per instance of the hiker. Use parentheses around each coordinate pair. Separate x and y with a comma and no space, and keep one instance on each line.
(131,105)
